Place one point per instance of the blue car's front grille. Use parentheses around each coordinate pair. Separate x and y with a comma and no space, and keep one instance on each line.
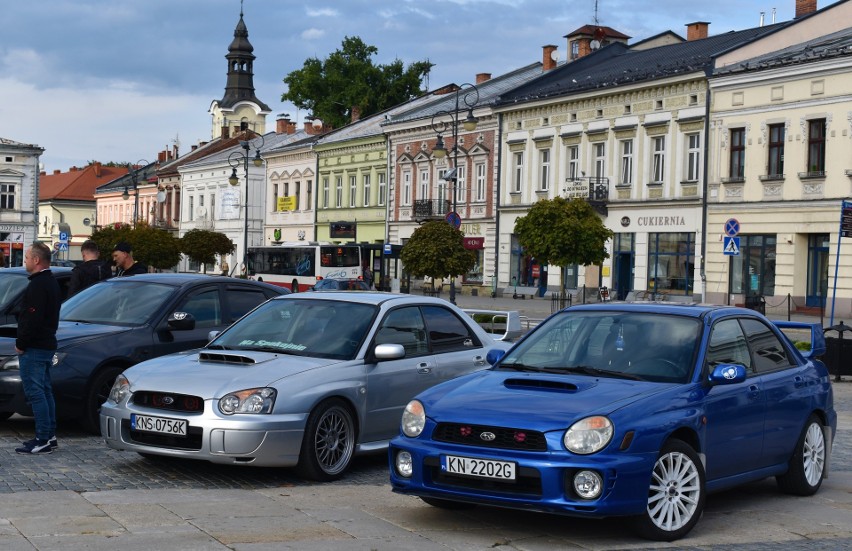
(490,437)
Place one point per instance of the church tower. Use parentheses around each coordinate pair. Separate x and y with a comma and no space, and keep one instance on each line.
(239,109)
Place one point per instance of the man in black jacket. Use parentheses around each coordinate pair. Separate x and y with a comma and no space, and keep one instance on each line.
(122,255)
(92,270)
(36,345)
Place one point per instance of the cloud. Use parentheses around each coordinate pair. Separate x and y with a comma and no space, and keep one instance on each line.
(312,34)
(321,12)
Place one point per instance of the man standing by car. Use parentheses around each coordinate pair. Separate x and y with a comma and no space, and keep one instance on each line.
(36,345)
(122,255)
(92,270)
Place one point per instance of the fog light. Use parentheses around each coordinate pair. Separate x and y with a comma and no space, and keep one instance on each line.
(588,484)
(404,465)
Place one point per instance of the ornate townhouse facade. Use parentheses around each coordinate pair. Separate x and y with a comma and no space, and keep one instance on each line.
(420,187)
(19,188)
(780,166)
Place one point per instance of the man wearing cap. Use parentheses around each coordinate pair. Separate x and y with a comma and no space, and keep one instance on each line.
(122,255)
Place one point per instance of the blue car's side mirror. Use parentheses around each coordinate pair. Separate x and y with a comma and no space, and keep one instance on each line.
(727,374)
(494,356)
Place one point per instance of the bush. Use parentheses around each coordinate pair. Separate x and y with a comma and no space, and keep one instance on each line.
(803,345)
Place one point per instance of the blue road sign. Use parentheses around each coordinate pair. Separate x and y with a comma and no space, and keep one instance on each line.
(62,246)
(63,236)
(454,219)
(732,227)
(731,246)
(387,248)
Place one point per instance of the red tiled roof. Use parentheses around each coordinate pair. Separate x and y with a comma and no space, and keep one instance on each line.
(77,184)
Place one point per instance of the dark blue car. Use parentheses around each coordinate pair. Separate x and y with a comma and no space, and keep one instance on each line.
(634,410)
(120,322)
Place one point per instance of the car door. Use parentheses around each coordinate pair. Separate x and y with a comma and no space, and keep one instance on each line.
(786,386)
(735,413)
(455,345)
(391,384)
(205,304)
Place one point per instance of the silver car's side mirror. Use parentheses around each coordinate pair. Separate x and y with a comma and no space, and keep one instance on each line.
(389,352)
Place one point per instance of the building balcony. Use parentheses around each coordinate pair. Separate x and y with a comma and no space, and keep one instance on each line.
(428,209)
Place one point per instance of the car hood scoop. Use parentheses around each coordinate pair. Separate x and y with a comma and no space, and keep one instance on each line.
(540,384)
(222,357)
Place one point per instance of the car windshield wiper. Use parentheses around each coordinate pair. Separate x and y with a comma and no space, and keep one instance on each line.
(589,370)
(518,366)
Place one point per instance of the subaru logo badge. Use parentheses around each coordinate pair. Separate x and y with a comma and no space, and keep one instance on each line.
(168,400)
(729,373)
(487,436)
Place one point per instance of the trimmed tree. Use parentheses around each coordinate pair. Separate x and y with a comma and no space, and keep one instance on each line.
(563,231)
(157,248)
(202,246)
(436,249)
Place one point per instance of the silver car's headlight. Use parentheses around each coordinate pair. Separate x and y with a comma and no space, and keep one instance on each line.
(9,363)
(252,400)
(120,390)
(57,358)
(413,419)
(588,435)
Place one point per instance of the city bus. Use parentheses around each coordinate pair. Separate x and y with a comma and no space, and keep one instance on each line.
(303,264)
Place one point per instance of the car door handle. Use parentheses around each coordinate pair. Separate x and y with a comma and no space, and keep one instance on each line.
(753,391)
(478,360)
(424,368)
(799,382)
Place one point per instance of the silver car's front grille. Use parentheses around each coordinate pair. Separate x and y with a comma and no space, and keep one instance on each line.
(169,401)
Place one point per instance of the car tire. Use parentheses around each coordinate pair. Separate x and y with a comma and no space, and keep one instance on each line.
(328,443)
(807,465)
(676,494)
(97,394)
(447,504)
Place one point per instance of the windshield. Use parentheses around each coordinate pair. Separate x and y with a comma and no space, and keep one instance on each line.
(643,346)
(316,328)
(11,286)
(117,302)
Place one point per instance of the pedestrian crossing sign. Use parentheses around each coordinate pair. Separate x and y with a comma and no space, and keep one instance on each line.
(731,246)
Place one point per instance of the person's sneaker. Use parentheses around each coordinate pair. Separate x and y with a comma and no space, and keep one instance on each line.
(35,446)
(53,443)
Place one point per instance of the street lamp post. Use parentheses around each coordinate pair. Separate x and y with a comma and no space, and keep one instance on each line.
(469,94)
(234,160)
(133,171)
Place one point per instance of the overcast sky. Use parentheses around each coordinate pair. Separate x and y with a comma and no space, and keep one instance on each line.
(120,80)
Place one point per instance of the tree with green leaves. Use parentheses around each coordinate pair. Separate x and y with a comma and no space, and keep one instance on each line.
(347,79)
(202,246)
(563,231)
(436,249)
(157,248)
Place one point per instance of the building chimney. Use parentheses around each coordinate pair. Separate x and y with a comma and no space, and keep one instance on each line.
(482,77)
(72,169)
(805,7)
(356,114)
(547,61)
(697,30)
(282,124)
(57,171)
(194,147)
(97,166)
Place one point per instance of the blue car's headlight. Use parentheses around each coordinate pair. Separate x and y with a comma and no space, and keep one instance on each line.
(252,400)
(8,363)
(120,390)
(413,419)
(588,435)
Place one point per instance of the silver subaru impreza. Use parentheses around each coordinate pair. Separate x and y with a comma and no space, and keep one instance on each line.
(306,380)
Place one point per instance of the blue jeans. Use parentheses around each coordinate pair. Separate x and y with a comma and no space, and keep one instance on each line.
(35,378)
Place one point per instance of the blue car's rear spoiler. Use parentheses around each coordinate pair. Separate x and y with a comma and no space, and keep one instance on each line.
(817,336)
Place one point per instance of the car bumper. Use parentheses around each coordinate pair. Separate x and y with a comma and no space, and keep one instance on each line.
(12,398)
(251,440)
(544,479)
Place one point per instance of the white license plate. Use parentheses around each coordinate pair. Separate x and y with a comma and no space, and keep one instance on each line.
(483,468)
(162,425)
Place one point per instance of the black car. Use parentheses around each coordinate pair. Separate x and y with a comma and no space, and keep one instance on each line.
(13,281)
(120,322)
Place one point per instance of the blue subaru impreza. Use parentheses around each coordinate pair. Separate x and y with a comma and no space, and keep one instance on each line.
(635,410)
